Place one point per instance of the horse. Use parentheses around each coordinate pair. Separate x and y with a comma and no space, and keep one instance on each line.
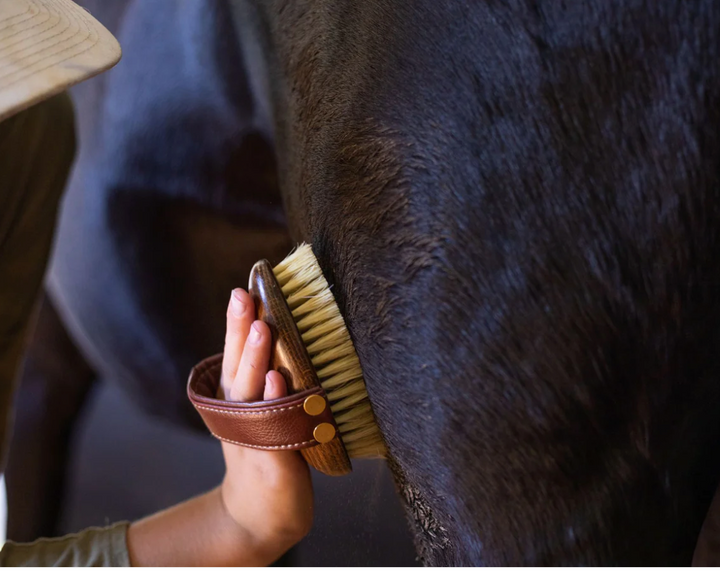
(516,204)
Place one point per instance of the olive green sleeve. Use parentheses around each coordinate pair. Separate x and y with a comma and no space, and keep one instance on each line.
(92,547)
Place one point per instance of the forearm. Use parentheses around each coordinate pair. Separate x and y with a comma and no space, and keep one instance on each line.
(198,532)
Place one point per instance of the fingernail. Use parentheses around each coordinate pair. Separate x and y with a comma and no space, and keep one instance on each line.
(236,304)
(255,333)
(270,388)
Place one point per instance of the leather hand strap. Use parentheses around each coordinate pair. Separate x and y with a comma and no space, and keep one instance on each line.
(280,424)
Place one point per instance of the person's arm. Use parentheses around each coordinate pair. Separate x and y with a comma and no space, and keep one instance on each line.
(262,508)
(265,503)
(201,532)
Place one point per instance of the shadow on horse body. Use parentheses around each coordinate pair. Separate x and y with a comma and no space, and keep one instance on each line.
(516,204)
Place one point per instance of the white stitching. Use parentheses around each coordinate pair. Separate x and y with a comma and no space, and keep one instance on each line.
(211,409)
(260,447)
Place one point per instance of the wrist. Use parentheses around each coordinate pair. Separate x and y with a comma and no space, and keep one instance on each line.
(265,540)
(199,531)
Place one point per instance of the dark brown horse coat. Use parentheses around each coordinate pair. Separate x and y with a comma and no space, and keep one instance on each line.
(516,202)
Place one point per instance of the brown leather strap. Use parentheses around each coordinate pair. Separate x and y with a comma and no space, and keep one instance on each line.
(280,424)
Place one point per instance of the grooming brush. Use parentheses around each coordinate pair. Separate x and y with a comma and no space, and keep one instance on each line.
(311,345)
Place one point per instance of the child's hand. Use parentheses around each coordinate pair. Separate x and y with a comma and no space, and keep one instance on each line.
(265,503)
(269,494)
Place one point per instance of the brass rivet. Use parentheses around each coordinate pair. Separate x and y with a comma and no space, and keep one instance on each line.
(314,405)
(324,432)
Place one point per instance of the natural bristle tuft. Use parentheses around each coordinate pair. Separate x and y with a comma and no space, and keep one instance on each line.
(331,351)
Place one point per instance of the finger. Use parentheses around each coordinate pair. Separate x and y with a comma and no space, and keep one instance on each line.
(240,315)
(249,380)
(275,386)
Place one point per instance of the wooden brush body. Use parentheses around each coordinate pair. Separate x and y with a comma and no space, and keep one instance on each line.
(311,347)
(290,358)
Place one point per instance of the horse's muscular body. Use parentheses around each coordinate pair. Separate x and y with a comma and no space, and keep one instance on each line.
(517,204)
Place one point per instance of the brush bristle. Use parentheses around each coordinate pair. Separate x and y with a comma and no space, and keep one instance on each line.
(331,351)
